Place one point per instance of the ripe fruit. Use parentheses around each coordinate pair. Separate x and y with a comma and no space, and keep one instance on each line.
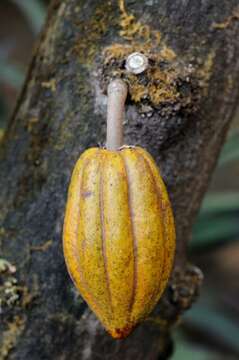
(119,236)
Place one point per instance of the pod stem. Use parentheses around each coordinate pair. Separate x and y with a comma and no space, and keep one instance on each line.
(117,93)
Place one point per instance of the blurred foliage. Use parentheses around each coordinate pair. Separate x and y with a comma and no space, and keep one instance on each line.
(216,327)
(215,322)
(34,11)
(3,112)
(230,151)
(185,351)
(217,222)
(12,74)
(214,230)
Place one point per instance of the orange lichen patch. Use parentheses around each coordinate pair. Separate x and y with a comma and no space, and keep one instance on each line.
(51,84)
(208,65)
(169,81)
(10,336)
(31,123)
(121,51)
(160,88)
(43,247)
(93,29)
(205,71)
(163,87)
(138,92)
(131,29)
(1,134)
(167,53)
(164,94)
(225,24)
(159,83)
(230,83)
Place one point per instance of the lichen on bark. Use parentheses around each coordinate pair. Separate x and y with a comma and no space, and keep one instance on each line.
(56,118)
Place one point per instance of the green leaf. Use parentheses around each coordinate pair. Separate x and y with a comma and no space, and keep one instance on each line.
(34,11)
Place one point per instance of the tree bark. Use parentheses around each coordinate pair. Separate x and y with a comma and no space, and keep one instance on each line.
(61,112)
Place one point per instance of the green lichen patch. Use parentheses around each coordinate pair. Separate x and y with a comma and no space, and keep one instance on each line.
(9,292)
(13,296)
(6,266)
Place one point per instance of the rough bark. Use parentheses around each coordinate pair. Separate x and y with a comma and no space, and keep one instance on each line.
(61,112)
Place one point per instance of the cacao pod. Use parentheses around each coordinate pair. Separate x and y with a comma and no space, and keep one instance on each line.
(119,236)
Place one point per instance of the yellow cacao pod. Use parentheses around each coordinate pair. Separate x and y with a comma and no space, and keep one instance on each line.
(119,236)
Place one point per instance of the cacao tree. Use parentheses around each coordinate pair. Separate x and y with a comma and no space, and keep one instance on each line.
(179,110)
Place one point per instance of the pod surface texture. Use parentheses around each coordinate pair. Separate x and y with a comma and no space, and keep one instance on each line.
(119,235)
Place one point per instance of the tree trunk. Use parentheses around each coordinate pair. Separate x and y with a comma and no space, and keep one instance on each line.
(179,112)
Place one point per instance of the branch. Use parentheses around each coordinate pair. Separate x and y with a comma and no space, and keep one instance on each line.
(179,110)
